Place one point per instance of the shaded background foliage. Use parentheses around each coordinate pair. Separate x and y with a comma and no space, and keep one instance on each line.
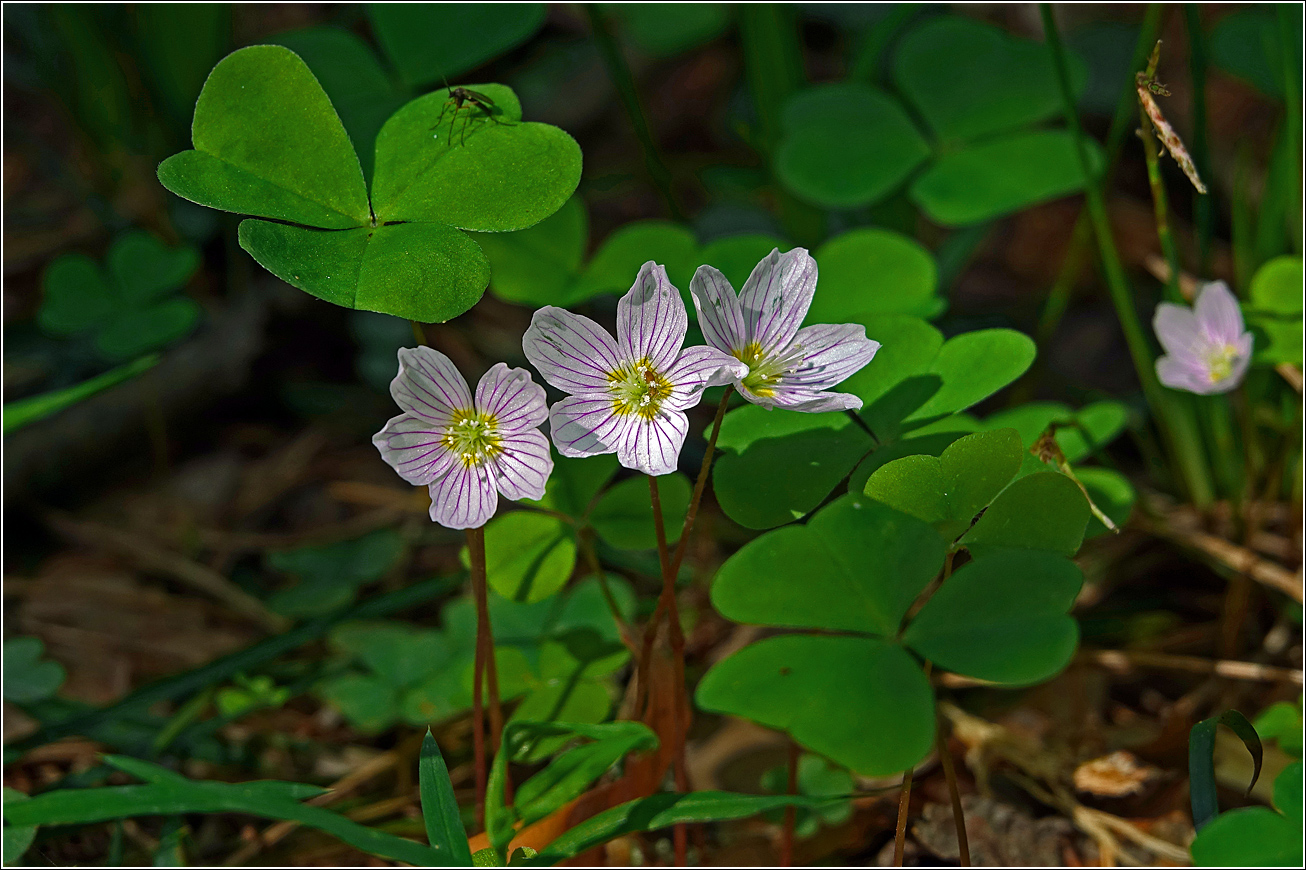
(919,152)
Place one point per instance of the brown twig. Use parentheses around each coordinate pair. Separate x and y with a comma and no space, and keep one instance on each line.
(1232,556)
(950,775)
(791,812)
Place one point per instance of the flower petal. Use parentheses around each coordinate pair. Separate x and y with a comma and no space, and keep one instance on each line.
(524,465)
(1177,329)
(700,367)
(1190,375)
(428,384)
(830,354)
(411,446)
(653,446)
(719,312)
(516,402)
(1218,313)
(776,297)
(651,319)
(465,498)
(571,352)
(804,399)
(585,425)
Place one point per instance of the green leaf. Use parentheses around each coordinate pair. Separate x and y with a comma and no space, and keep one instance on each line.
(658,812)
(419,271)
(1080,434)
(144,269)
(397,652)
(537,266)
(781,466)
(816,778)
(25,411)
(17,838)
(617,261)
(623,517)
(871,271)
(1201,762)
(75,296)
(352,78)
(907,347)
(973,366)
(1002,618)
(1288,792)
(269,143)
(369,703)
(997,177)
(570,774)
(1276,287)
(529,556)
(490,173)
(857,566)
(1246,45)
(557,700)
(444,827)
(666,29)
(27,678)
(182,796)
(138,331)
(831,694)
(429,42)
(970,79)
(1249,837)
(575,482)
(949,491)
(1277,340)
(1281,721)
(1041,511)
(1113,494)
(846,145)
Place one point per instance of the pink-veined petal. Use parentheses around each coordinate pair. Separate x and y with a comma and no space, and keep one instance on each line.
(465,498)
(828,354)
(719,312)
(584,425)
(524,465)
(651,319)
(1177,329)
(411,446)
(698,368)
(1218,313)
(808,400)
(776,297)
(428,384)
(653,446)
(516,402)
(571,352)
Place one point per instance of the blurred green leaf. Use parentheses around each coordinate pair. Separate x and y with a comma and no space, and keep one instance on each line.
(617,262)
(28,677)
(1282,721)
(1002,617)
(736,256)
(1249,837)
(144,269)
(575,482)
(330,576)
(869,271)
(1113,494)
(368,702)
(17,838)
(538,265)
(846,145)
(1201,762)
(623,517)
(970,79)
(1246,45)
(666,29)
(428,42)
(1277,287)
(816,778)
(996,177)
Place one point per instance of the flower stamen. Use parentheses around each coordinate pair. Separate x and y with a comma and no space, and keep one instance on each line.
(473,437)
(638,389)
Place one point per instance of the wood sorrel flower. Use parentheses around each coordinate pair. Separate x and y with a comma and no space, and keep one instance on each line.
(465,450)
(787,367)
(1206,348)
(626,396)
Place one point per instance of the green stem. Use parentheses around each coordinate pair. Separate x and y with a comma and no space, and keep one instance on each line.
(1179,428)
(1121,122)
(624,81)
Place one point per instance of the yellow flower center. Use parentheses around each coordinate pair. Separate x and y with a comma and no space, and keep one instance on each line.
(764,372)
(472,437)
(1219,361)
(638,389)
